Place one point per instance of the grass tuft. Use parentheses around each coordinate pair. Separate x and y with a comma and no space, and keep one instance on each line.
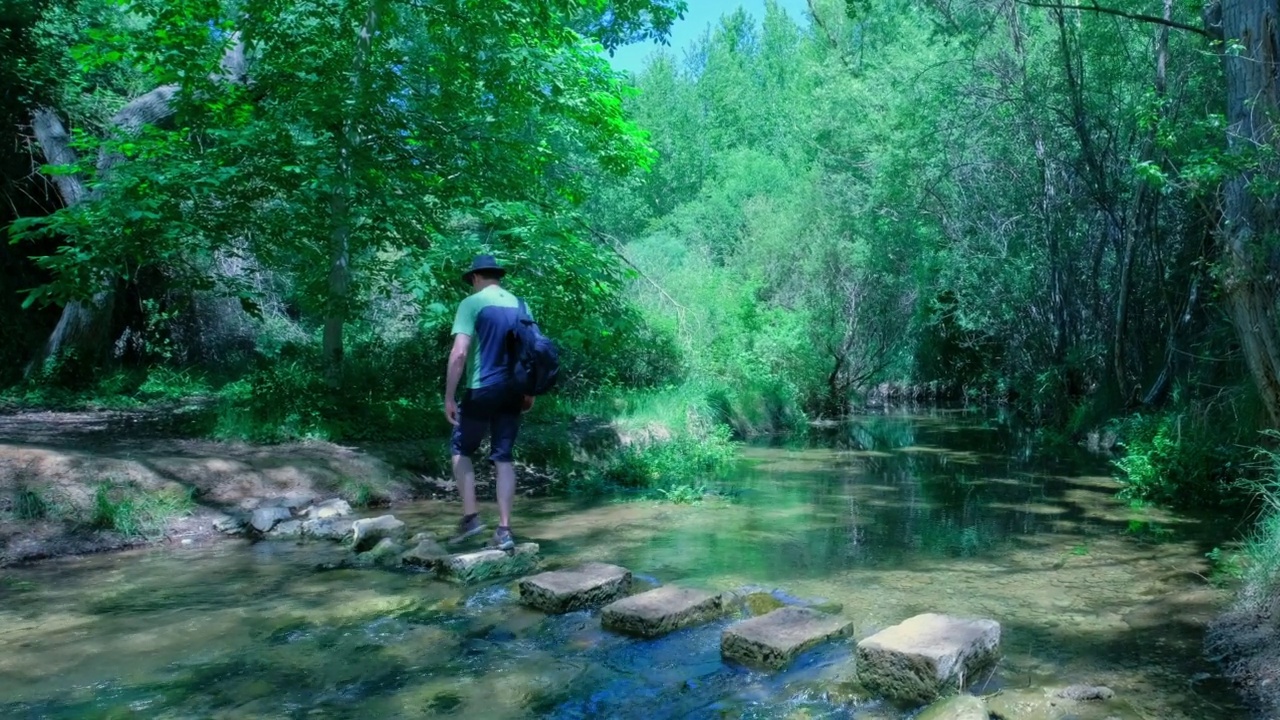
(137,513)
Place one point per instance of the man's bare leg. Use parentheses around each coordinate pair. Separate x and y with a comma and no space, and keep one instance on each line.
(464,474)
(506,492)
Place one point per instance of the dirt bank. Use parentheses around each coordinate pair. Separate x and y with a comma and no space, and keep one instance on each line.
(1246,639)
(62,459)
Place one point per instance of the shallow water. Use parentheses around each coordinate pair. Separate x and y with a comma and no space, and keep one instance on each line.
(891,516)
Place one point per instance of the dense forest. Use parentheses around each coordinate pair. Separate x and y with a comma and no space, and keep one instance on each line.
(265,204)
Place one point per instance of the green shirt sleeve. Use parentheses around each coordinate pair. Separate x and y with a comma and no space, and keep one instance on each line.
(464,322)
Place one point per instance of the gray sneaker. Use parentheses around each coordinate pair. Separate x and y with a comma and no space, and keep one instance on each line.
(468,526)
(502,539)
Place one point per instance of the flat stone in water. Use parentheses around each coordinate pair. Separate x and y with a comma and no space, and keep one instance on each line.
(775,639)
(367,532)
(327,529)
(588,586)
(916,660)
(662,610)
(488,564)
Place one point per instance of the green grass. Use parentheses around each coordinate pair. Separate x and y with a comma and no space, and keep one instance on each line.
(134,512)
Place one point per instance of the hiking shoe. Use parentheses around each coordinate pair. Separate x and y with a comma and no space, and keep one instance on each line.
(502,539)
(469,525)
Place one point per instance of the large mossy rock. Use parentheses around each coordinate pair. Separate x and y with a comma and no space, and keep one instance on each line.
(484,565)
(366,533)
(588,586)
(661,611)
(918,660)
(774,640)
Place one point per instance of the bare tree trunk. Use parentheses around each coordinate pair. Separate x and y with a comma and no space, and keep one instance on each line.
(85,325)
(1253,101)
(338,303)
(1148,215)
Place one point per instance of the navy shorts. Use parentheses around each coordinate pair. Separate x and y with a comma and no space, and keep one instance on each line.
(491,410)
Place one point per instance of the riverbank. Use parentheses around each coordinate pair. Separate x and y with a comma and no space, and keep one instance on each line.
(1246,637)
(75,483)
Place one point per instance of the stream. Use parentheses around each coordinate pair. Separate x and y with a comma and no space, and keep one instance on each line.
(890,515)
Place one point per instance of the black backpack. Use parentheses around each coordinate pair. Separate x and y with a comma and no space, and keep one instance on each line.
(535,362)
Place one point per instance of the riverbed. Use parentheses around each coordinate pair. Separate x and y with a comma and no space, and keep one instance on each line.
(890,515)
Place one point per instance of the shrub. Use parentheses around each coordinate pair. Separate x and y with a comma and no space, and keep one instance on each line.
(134,512)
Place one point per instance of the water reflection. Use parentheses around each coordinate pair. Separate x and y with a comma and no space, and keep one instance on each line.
(889,516)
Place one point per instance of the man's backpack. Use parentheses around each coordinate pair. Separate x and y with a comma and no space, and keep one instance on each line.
(535,361)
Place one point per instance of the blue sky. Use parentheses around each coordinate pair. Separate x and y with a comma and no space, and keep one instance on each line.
(697,18)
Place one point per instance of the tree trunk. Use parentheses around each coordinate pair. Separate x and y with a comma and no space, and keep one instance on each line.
(1253,101)
(85,325)
(338,302)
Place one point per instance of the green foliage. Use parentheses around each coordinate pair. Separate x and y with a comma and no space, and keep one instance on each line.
(683,494)
(1179,457)
(29,504)
(665,465)
(134,512)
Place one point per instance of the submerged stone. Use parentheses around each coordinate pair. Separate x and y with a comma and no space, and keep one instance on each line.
(956,707)
(588,586)
(916,660)
(1043,704)
(265,518)
(385,554)
(288,528)
(1086,692)
(230,524)
(424,553)
(367,532)
(775,639)
(488,564)
(327,529)
(662,610)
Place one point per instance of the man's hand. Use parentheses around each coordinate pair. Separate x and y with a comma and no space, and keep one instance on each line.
(451,411)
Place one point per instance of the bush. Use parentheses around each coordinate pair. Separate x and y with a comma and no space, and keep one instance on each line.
(133,512)
(686,459)
(1179,458)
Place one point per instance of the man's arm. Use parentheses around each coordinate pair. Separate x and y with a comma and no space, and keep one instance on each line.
(453,374)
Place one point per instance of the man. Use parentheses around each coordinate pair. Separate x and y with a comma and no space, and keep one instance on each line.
(489,405)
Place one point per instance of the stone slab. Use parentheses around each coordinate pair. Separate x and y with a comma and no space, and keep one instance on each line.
(334,508)
(661,610)
(367,532)
(775,639)
(587,586)
(487,564)
(917,660)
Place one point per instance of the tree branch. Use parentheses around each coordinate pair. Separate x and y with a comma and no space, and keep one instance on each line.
(1121,13)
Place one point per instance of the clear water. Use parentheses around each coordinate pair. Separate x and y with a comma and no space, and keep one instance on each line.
(891,516)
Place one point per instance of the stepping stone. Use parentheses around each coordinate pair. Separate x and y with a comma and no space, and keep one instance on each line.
(588,586)
(917,660)
(267,517)
(486,564)
(775,639)
(328,509)
(662,610)
(367,532)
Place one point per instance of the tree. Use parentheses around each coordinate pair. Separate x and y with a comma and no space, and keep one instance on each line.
(369,123)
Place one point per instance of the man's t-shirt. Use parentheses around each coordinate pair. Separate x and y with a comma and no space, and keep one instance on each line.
(487,316)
